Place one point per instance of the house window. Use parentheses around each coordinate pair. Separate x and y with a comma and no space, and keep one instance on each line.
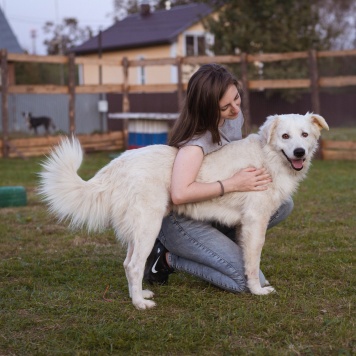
(141,75)
(195,45)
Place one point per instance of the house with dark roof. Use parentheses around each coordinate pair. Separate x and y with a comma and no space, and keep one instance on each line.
(177,31)
(8,39)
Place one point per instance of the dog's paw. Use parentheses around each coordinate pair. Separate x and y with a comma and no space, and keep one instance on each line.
(144,304)
(269,289)
(262,291)
(147,294)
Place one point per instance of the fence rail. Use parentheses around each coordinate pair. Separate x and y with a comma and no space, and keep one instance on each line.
(344,150)
(39,146)
(314,82)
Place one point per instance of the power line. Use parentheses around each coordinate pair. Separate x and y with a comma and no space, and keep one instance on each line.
(26,20)
(42,20)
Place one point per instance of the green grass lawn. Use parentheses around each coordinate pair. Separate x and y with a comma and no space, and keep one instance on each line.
(340,134)
(52,283)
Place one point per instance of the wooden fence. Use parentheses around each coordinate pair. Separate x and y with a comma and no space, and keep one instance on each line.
(39,146)
(314,82)
(338,150)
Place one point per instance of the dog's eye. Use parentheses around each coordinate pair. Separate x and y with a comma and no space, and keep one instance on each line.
(305,134)
(285,136)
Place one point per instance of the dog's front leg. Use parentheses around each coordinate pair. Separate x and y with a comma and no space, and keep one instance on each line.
(252,239)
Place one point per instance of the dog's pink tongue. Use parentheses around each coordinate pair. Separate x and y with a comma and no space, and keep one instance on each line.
(297,163)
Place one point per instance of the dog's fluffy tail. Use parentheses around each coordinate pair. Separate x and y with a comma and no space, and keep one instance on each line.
(69,197)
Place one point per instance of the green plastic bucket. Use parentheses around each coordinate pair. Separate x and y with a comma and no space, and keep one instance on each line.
(12,196)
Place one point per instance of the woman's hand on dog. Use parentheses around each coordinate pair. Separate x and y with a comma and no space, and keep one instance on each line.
(248,180)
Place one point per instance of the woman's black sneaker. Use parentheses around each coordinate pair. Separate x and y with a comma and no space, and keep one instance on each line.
(157,269)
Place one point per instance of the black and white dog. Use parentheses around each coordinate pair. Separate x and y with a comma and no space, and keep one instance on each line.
(34,122)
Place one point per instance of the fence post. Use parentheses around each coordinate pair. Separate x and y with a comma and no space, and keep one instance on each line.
(180,82)
(71,92)
(4,103)
(246,94)
(102,96)
(314,81)
(125,100)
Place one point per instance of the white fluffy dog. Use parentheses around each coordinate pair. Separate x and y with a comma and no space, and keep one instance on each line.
(132,193)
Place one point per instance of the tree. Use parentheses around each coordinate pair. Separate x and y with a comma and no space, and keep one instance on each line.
(274,26)
(64,36)
(278,25)
(161,4)
(122,8)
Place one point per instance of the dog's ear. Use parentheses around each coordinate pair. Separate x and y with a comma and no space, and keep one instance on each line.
(319,121)
(267,129)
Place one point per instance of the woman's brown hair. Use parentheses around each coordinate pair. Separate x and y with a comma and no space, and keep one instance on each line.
(201,111)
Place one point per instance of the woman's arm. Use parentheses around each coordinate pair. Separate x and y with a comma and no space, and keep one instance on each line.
(185,189)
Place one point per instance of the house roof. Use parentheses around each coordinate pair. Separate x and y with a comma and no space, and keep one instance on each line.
(156,28)
(8,39)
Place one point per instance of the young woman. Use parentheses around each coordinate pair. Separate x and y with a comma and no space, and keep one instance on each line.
(211,117)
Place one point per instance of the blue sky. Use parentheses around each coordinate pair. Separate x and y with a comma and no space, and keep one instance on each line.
(27,15)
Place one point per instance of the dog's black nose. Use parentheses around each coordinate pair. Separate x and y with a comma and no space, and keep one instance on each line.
(299,152)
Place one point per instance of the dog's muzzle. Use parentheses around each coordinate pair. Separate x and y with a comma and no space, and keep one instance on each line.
(298,161)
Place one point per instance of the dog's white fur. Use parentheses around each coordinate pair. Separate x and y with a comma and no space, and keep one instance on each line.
(131,194)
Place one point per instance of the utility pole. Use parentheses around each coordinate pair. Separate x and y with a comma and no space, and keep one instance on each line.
(33,36)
